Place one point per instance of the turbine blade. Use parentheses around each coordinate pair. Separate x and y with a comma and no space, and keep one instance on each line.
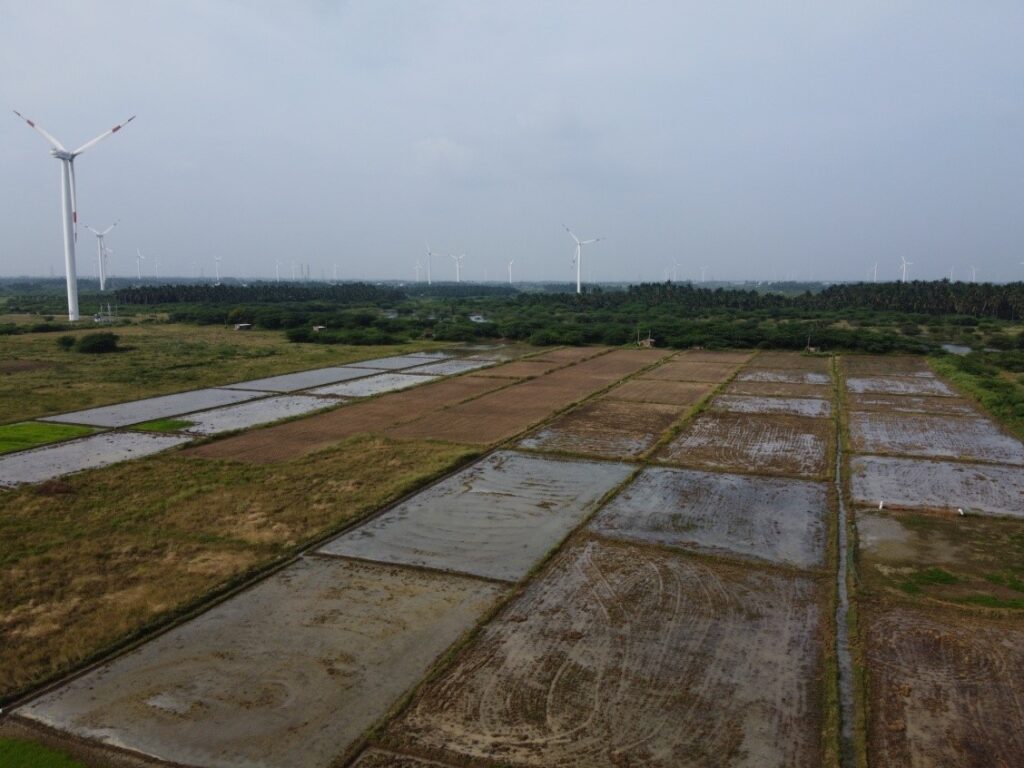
(102,136)
(53,142)
(572,234)
(588,242)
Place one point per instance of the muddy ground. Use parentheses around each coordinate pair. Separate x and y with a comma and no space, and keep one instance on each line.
(794,406)
(684,369)
(623,655)
(888,365)
(933,435)
(953,406)
(788,375)
(898,385)
(779,389)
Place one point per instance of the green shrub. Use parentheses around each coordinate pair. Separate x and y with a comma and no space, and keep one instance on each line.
(65,342)
(97,343)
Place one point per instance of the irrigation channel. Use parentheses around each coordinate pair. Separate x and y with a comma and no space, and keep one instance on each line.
(844,661)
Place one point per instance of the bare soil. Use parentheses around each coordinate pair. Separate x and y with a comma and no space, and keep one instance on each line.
(794,360)
(644,390)
(521,369)
(570,354)
(778,389)
(683,369)
(953,406)
(623,655)
(710,356)
(886,365)
(607,428)
(933,435)
(764,444)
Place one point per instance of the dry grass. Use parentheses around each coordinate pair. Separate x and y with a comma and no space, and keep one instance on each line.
(89,560)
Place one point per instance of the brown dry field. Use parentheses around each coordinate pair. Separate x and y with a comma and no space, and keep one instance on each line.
(669,392)
(682,369)
(521,369)
(943,687)
(779,389)
(705,356)
(953,406)
(763,444)
(874,365)
(793,360)
(609,429)
(622,655)
(298,438)
(571,354)
(151,536)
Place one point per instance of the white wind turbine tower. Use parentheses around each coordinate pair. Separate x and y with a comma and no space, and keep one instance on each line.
(419,269)
(429,254)
(904,264)
(70,203)
(704,273)
(101,253)
(675,271)
(875,272)
(458,266)
(139,258)
(510,271)
(578,257)
(974,274)
(156,267)
(277,269)
(216,267)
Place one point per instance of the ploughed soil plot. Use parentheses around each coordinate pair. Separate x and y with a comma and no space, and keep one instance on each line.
(288,673)
(897,385)
(793,360)
(886,365)
(934,435)
(783,375)
(495,518)
(624,655)
(760,443)
(41,464)
(684,369)
(291,382)
(123,414)
(763,518)
(944,687)
(254,413)
(795,406)
(953,406)
(88,560)
(705,356)
(972,560)
(522,369)
(298,438)
(373,385)
(607,428)
(570,354)
(778,389)
(668,392)
(937,485)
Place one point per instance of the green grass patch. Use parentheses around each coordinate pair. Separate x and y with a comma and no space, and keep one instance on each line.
(29,434)
(1005,580)
(927,577)
(15,753)
(164,425)
(990,601)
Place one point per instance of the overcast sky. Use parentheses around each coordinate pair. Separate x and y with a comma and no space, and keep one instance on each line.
(762,139)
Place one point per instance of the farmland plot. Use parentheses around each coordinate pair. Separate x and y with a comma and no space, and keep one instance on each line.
(138,411)
(450,367)
(767,444)
(706,356)
(778,389)
(782,376)
(888,365)
(643,390)
(262,678)
(254,413)
(624,655)
(933,435)
(762,518)
(898,385)
(570,354)
(683,369)
(794,406)
(952,406)
(794,360)
(291,382)
(374,385)
(522,369)
(400,362)
(606,428)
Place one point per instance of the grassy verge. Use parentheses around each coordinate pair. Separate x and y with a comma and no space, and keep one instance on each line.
(164,425)
(15,753)
(29,434)
(989,379)
(99,557)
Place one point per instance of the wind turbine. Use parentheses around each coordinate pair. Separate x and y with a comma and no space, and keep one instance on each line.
(510,271)
(704,273)
(156,267)
(458,266)
(139,258)
(904,266)
(875,272)
(675,271)
(429,254)
(101,253)
(419,269)
(974,274)
(70,203)
(951,274)
(578,258)
(277,269)
(216,266)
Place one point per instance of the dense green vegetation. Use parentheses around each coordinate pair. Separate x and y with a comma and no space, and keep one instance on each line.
(15,753)
(995,379)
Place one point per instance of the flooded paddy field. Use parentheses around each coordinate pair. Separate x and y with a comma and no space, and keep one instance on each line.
(778,389)
(767,444)
(643,390)
(495,518)
(760,518)
(377,384)
(262,678)
(625,655)
(684,369)
(138,411)
(933,435)
(787,375)
(953,406)
(898,385)
(254,413)
(794,406)
(40,464)
(450,367)
(937,485)
(284,442)
(605,428)
(292,382)
(944,687)
(400,362)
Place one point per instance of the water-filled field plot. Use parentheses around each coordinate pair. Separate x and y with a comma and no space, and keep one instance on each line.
(684,369)
(292,382)
(626,655)
(937,485)
(254,413)
(643,390)
(898,385)
(401,361)
(783,376)
(952,406)
(760,518)
(944,687)
(761,443)
(794,406)
(450,367)
(288,673)
(138,411)
(933,435)
(889,365)
(495,518)
(41,464)
(778,389)
(606,428)
(373,385)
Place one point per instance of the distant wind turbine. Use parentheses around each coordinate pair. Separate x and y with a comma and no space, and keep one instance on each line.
(458,266)
(70,203)
(875,272)
(704,273)
(419,269)
(277,269)
(139,258)
(429,255)
(974,274)
(101,253)
(951,274)
(510,271)
(903,265)
(578,257)
(216,266)
(675,271)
